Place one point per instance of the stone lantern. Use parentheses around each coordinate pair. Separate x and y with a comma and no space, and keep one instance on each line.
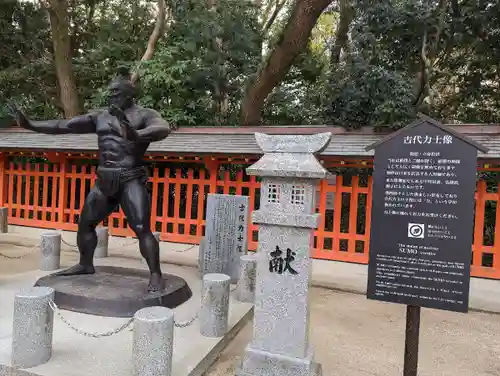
(290,176)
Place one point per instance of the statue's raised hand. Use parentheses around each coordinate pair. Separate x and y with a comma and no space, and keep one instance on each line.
(15,111)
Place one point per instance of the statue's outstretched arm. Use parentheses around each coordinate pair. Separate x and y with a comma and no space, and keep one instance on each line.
(78,124)
(156,128)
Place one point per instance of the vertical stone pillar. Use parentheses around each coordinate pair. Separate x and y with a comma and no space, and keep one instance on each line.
(290,176)
(214,305)
(226,228)
(32,327)
(245,290)
(4,220)
(153,341)
(101,251)
(50,251)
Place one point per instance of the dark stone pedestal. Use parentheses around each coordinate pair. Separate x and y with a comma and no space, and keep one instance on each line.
(114,292)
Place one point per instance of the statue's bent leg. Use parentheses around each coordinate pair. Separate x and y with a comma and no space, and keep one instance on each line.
(136,206)
(96,208)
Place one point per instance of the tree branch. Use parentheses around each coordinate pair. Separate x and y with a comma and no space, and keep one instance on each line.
(155,36)
(292,42)
(277,9)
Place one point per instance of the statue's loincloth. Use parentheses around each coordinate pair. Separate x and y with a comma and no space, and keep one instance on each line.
(109,180)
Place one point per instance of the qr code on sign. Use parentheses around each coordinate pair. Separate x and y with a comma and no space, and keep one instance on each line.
(416,230)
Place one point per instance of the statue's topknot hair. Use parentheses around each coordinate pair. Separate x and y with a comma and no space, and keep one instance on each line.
(124,73)
(124,79)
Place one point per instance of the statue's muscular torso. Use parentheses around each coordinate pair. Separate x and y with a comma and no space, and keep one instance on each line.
(114,150)
(120,145)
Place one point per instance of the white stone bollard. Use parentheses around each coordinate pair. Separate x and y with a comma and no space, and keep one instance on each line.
(50,251)
(245,290)
(214,305)
(32,327)
(101,251)
(4,220)
(153,342)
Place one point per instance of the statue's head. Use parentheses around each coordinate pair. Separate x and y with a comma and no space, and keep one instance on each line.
(122,90)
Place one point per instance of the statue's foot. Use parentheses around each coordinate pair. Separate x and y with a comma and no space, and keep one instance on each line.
(156,283)
(77,270)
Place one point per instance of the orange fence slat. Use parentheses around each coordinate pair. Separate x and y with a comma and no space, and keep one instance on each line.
(177,200)
(28,197)
(36,193)
(3,179)
(189,204)
(201,202)
(166,198)
(10,195)
(56,188)
(479,223)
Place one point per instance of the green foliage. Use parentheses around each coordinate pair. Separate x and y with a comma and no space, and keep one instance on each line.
(26,73)
(464,78)
(363,94)
(205,57)
(299,98)
(211,48)
(204,49)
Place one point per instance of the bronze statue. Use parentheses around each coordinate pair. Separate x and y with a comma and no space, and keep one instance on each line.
(124,132)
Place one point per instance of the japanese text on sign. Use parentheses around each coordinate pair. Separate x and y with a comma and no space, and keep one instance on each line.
(422,140)
(406,177)
(240,228)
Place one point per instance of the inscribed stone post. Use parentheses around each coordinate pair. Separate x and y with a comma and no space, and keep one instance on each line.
(290,176)
(225,234)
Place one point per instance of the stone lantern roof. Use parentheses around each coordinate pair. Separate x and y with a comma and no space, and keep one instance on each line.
(290,156)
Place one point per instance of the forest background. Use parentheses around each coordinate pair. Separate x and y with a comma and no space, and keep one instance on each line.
(350,63)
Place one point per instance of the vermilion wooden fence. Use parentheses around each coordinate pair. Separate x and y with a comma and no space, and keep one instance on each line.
(51,196)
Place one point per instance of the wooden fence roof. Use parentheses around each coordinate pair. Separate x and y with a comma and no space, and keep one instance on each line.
(235,140)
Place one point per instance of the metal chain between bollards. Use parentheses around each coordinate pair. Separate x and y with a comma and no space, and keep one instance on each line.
(129,244)
(68,244)
(178,251)
(20,256)
(186,249)
(132,243)
(185,324)
(121,328)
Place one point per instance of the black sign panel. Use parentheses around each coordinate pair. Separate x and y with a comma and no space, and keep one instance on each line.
(422,219)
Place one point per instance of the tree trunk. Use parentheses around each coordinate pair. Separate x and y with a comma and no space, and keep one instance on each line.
(293,41)
(59,25)
(220,97)
(342,32)
(428,54)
